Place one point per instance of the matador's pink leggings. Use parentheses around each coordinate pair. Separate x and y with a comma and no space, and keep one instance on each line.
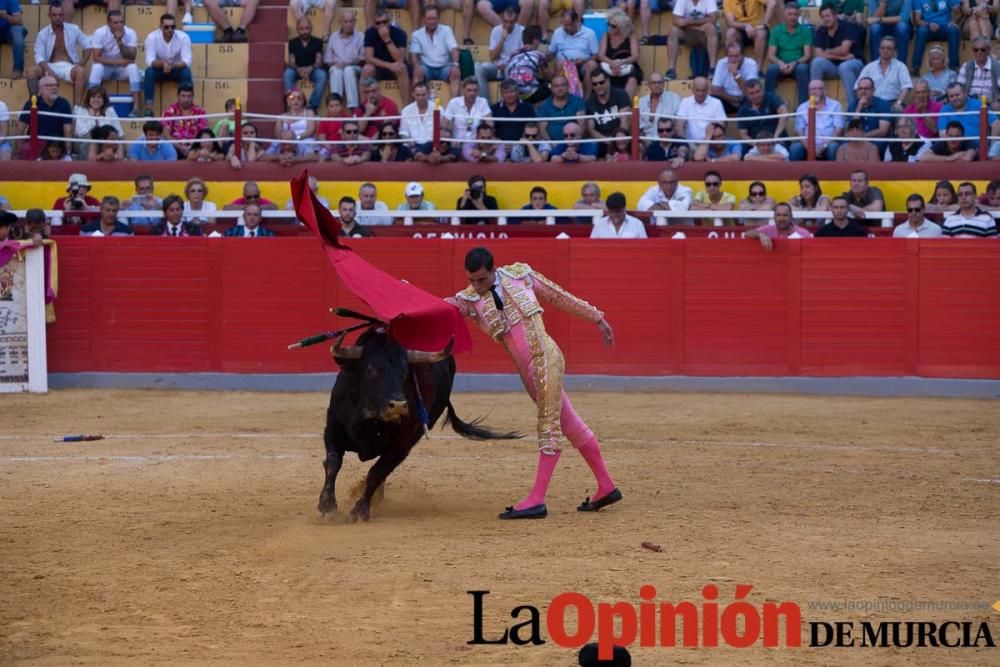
(570,423)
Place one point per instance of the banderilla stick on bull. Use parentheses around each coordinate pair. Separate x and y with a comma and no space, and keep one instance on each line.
(326,335)
(345,312)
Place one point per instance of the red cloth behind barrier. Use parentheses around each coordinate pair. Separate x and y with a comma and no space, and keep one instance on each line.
(822,307)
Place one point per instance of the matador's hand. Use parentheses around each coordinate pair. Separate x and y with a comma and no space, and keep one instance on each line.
(607,333)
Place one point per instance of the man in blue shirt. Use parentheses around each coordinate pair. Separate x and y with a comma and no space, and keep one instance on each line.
(561,105)
(864,106)
(934,23)
(958,103)
(48,126)
(13,32)
(150,150)
(584,151)
(894,22)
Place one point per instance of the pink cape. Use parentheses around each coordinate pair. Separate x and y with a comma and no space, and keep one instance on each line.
(418,320)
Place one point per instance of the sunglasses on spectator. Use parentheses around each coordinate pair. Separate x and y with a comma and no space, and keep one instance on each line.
(382,22)
(756,193)
(170,26)
(981,49)
(570,135)
(531,136)
(915,210)
(598,82)
(257,196)
(388,134)
(349,131)
(712,184)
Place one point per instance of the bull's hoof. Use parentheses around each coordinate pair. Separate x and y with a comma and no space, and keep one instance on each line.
(361,512)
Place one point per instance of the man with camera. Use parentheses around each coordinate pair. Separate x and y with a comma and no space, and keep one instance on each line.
(476,199)
(79,202)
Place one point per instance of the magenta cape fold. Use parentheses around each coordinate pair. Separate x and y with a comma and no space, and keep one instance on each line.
(418,320)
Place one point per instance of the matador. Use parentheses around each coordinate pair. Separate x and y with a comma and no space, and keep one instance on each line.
(504,302)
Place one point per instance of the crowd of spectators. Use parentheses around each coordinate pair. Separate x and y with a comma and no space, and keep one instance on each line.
(577,81)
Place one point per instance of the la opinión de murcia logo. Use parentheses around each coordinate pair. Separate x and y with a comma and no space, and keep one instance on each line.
(736,624)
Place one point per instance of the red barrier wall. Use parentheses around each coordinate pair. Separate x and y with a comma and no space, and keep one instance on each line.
(698,307)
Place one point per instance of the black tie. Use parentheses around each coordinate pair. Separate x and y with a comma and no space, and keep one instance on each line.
(173,232)
(252,234)
(496,297)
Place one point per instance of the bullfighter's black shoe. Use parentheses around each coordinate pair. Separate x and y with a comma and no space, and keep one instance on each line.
(610,499)
(535,512)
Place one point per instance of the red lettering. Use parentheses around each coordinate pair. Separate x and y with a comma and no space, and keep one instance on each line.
(793,624)
(606,638)
(751,620)
(647,616)
(668,625)
(710,617)
(555,620)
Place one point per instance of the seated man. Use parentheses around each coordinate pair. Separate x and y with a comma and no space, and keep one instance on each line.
(789,52)
(713,198)
(658,102)
(862,197)
(562,104)
(612,108)
(574,44)
(251,195)
(376,109)
(697,111)
(695,25)
(783,227)
(168,58)
(926,109)
(729,82)
(434,51)
(108,223)
(374,7)
(475,198)
(13,32)
(841,226)
(959,102)
(575,150)
(758,104)
(746,24)
(416,202)
(78,200)
(935,21)
(511,113)
(669,148)
(969,221)
(538,201)
(667,195)
(417,124)
(868,108)
(464,114)
(113,49)
(766,150)
(912,149)
(445,152)
(51,126)
(144,200)
(305,63)
(385,54)
(981,76)
(836,51)
(219,18)
(251,227)
(349,224)
(889,76)
(505,41)
(532,148)
(857,148)
(60,48)
(353,152)
(190,120)
(485,149)
(716,147)
(617,224)
(288,152)
(956,149)
(829,123)
(345,56)
(916,225)
(369,205)
(153,149)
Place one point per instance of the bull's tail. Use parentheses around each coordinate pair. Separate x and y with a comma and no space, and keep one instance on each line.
(474,430)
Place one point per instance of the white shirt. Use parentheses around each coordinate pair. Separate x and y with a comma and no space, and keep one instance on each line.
(723,78)
(201,215)
(928,230)
(416,126)
(73,36)
(514,42)
(667,105)
(465,122)
(345,49)
(104,40)
(776,148)
(158,48)
(890,83)
(367,217)
(434,50)
(84,123)
(680,201)
(689,9)
(698,116)
(632,228)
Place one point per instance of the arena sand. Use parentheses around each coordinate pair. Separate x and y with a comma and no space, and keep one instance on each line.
(186,543)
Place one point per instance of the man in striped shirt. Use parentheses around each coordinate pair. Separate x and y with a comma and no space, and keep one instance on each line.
(969,221)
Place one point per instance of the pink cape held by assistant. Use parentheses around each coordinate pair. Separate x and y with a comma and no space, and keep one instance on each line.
(417,319)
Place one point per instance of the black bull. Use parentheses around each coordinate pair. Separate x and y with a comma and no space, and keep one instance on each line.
(373,410)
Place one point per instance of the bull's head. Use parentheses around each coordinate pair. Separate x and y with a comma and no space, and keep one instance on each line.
(380,367)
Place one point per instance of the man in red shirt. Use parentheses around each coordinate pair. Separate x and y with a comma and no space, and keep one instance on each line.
(79,200)
(190,121)
(376,106)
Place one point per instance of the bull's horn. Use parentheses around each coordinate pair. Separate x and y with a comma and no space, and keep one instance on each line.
(416,357)
(346,352)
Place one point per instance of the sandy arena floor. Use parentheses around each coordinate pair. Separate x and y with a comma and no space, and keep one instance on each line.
(191,535)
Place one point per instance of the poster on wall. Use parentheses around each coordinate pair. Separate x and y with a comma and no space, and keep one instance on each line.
(22,321)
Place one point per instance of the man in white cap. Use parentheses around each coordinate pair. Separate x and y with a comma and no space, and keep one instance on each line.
(78,199)
(415,202)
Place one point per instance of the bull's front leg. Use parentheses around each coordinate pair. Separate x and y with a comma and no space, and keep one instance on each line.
(331,465)
(376,477)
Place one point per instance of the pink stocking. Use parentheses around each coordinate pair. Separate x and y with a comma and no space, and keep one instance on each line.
(591,452)
(546,466)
